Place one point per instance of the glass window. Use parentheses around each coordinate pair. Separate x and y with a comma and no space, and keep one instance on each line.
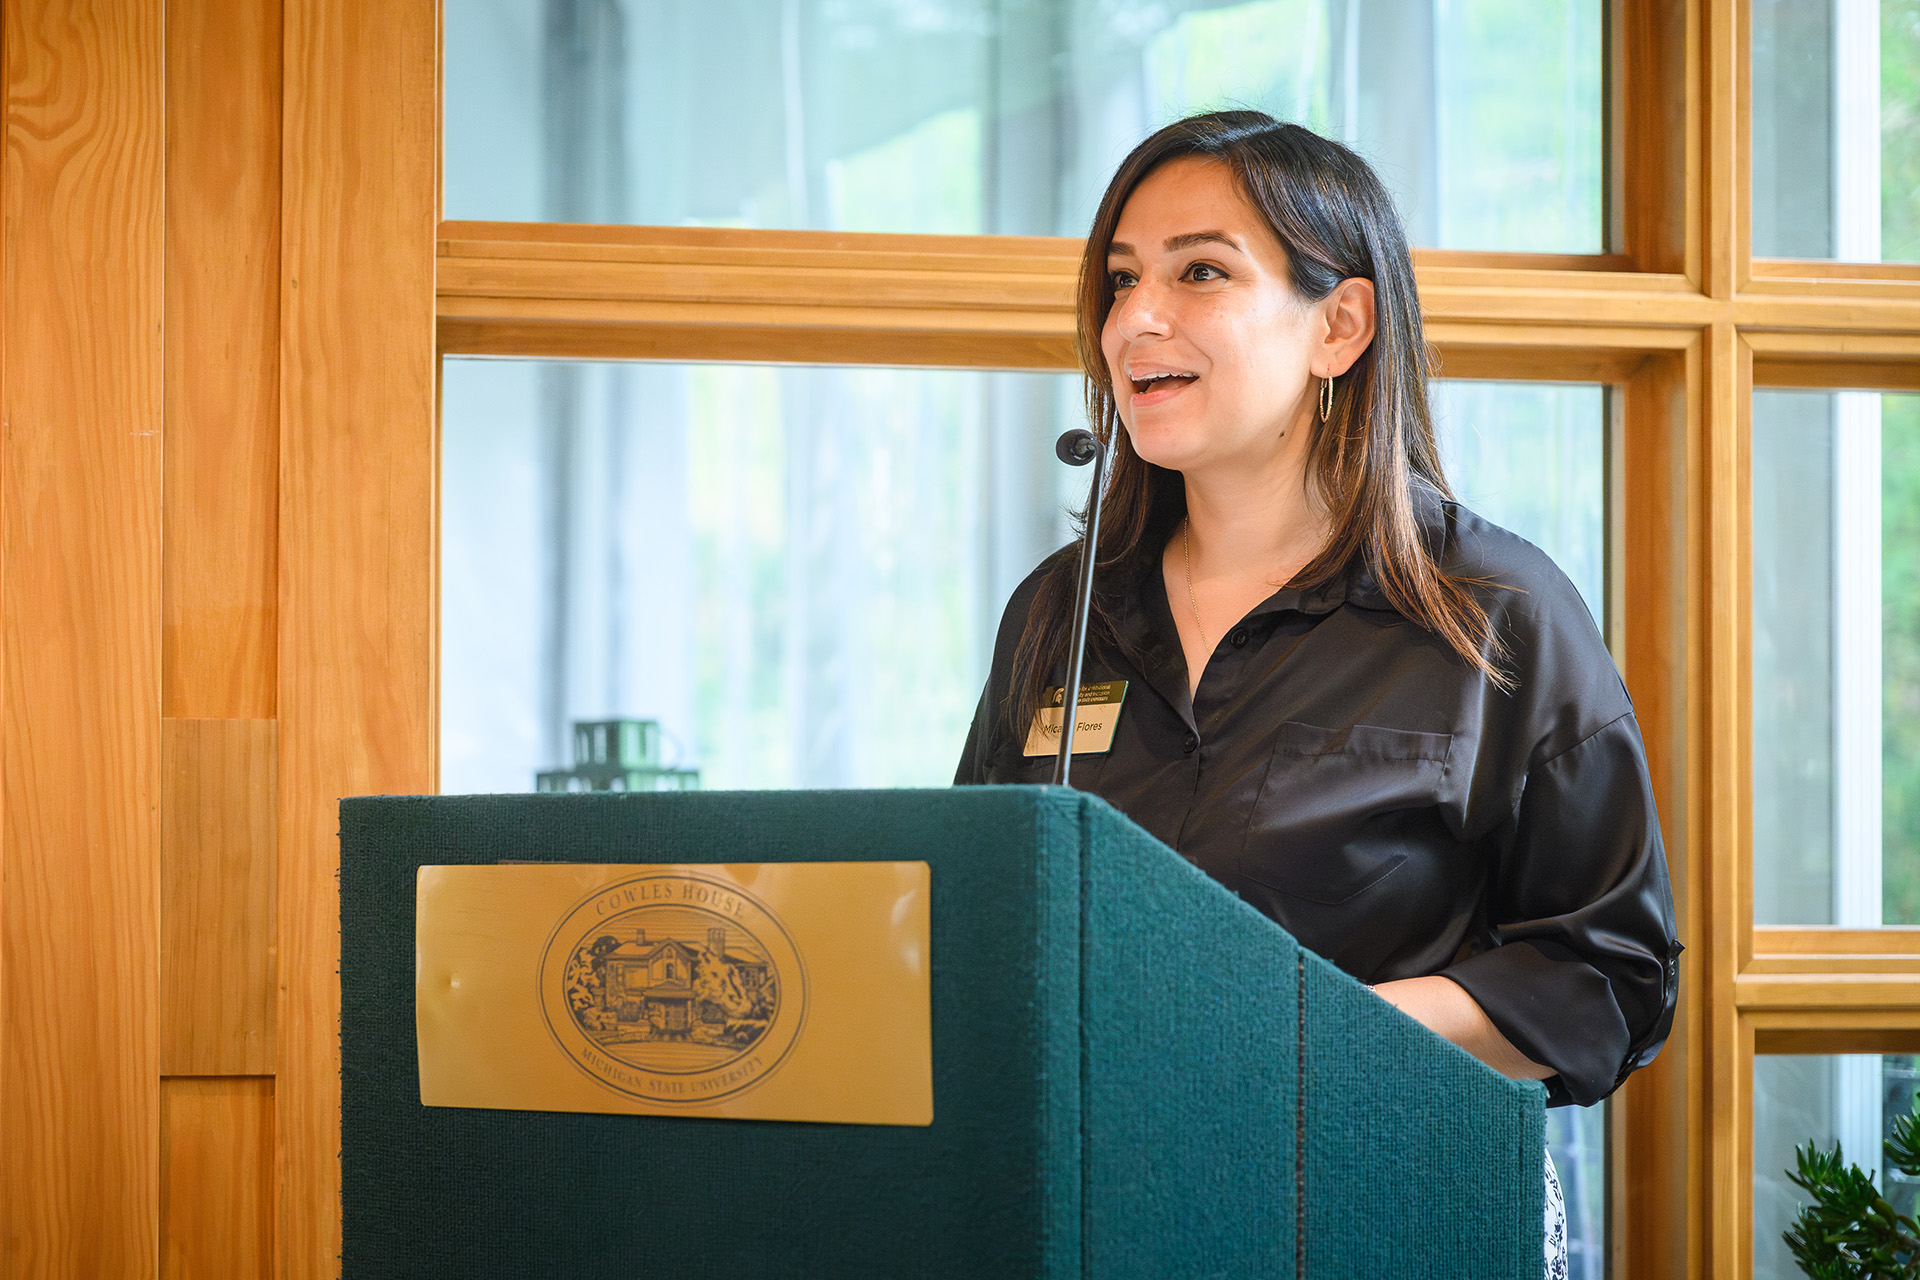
(1532,458)
(1836,129)
(1008,116)
(1836,658)
(1577,1143)
(770,562)
(795,572)
(1852,1099)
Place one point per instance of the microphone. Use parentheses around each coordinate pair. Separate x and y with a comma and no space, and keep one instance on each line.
(1076,448)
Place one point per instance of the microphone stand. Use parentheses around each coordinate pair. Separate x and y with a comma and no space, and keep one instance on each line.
(1076,448)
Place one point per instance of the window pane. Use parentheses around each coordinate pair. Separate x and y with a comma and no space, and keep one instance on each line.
(1008,116)
(1836,658)
(795,572)
(1577,1143)
(1532,457)
(1836,129)
(676,543)
(1852,1099)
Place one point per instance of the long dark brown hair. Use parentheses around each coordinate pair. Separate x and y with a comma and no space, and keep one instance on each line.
(1336,222)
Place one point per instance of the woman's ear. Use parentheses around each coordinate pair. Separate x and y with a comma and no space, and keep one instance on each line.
(1349,319)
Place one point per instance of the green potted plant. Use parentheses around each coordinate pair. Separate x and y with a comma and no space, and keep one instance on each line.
(1851,1231)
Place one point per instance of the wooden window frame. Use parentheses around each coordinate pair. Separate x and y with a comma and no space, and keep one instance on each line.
(1679,319)
(1815,325)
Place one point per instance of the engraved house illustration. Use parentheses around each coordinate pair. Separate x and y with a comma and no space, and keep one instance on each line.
(682,993)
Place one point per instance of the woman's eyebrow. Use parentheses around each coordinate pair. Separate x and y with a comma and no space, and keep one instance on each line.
(1192,238)
(1174,244)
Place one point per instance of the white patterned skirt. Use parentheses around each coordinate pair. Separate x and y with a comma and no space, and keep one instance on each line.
(1556,1225)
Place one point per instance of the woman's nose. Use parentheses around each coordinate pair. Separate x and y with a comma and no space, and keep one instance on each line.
(1142,313)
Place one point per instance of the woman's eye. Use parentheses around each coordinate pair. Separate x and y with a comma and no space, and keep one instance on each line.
(1205,271)
(1120,280)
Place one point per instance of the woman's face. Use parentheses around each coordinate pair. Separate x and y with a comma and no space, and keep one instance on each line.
(1212,353)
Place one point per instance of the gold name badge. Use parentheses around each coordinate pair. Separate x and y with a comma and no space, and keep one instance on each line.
(1098,717)
(754,991)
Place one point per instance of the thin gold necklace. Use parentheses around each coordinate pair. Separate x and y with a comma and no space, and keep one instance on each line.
(1187,556)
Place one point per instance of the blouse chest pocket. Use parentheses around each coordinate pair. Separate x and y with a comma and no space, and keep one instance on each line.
(1339,809)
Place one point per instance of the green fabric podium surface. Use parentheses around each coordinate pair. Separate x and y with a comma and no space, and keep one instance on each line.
(1135,1075)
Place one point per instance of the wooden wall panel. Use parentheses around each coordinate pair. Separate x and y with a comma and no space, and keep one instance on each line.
(216,1164)
(222,356)
(218,980)
(357,596)
(80,467)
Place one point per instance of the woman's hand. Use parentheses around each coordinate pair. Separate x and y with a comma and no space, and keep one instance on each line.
(1443,1007)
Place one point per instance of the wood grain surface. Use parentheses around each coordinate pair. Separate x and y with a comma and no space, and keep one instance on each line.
(216,1162)
(80,495)
(357,456)
(1654,108)
(677,293)
(218,979)
(1871,1035)
(1722,186)
(1794,940)
(1797,273)
(1894,371)
(664,338)
(1719,784)
(1651,1124)
(222,356)
(1739,109)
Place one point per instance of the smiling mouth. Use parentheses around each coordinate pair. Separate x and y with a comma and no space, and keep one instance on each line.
(1163,382)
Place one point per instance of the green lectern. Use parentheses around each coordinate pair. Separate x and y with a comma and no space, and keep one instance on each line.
(1134,1075)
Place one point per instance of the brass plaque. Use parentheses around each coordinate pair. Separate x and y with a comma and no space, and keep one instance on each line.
(753,991)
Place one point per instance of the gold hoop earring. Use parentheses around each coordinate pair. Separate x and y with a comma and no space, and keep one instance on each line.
(1326,398)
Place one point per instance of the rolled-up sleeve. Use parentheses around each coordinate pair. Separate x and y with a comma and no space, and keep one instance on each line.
(1583,973)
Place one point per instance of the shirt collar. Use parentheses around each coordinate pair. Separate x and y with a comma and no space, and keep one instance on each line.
(1146,614)
(1355,585)
(1146,622)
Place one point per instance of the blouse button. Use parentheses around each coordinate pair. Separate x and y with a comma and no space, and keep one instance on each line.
(1190,744)
(1239,638)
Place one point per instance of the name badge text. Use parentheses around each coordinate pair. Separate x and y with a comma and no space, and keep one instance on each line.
(1098,716)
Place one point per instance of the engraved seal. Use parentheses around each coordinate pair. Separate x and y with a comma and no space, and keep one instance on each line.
(673,987)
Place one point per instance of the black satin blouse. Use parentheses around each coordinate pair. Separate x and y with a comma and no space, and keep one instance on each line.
(1346,773)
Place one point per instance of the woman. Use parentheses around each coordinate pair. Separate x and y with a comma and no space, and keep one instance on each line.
(1387,724)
